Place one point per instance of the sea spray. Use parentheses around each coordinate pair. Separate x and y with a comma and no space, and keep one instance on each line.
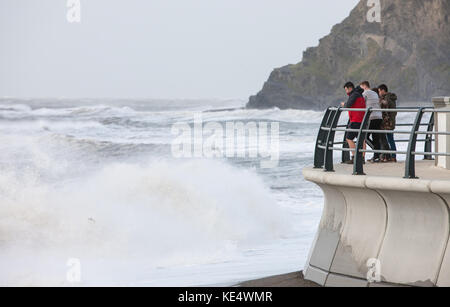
(159,214)
(92,182)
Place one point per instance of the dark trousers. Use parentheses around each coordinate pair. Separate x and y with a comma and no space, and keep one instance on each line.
(380,141)
(392,146)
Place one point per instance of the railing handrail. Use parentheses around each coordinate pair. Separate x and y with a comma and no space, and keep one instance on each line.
(325,144)
(396,110)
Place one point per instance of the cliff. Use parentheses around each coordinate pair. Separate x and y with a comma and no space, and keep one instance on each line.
(409,50)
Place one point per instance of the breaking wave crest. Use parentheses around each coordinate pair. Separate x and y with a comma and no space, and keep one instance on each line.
(158,214)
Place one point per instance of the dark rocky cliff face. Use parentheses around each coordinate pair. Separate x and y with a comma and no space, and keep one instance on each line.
(409,51)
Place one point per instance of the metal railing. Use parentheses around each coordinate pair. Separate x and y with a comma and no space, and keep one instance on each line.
(326,145)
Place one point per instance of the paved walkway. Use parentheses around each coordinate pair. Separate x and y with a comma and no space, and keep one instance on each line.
(424,170)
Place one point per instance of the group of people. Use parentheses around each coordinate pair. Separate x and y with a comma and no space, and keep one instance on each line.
(362,97)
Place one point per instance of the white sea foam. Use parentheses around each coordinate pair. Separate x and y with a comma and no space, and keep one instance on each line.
(290,116)
(97,182)
(162,213)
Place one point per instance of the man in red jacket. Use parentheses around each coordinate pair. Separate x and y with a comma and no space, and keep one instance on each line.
(355,101)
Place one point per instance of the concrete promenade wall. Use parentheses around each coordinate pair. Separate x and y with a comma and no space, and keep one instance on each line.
(403,223)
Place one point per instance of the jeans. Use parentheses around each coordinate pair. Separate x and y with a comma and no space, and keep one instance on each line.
(379,140)
(390,138)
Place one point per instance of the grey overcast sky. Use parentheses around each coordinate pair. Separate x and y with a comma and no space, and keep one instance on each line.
(156,48)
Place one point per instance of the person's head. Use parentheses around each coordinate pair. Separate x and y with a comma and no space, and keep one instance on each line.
(383,89)
(349,87)
(365,85)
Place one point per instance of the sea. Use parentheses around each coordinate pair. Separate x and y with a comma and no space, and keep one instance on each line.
(92,194)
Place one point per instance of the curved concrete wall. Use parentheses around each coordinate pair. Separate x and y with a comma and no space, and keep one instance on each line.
(441,188)
(405,224)
(416,237)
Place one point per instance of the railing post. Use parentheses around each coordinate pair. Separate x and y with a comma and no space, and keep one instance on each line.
(442,127)
(429,139)
(345,154)
(410,165)
(319,155)
(330,141)
(358,168)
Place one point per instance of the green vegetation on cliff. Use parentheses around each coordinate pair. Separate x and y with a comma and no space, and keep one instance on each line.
(408,51)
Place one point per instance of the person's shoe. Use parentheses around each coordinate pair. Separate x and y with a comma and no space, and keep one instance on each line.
(375,160)
(393,160)
(351,161)
(385,159)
